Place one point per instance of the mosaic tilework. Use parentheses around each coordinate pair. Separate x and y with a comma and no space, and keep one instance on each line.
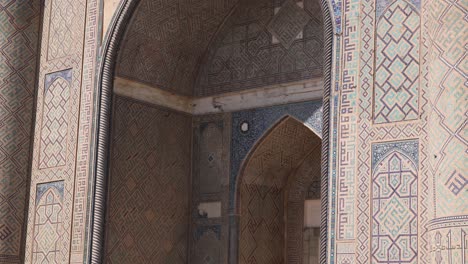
(48,245)
(53,63)
(448,117)
(85,148)
(262,191)
(396,88)
(395,202)
(243,54)
(260,120)
(19,26)
(63,16)
(367,133)
(390,132)
(447,71)
(382,5)
(54,128)
(288,22)
(170,33)
(448,239)
(346,171)
(148,212)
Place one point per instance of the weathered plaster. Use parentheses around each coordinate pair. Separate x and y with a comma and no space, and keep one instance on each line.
(228,102)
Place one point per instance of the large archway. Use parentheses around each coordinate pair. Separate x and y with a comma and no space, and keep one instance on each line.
(105,86)
(279,176)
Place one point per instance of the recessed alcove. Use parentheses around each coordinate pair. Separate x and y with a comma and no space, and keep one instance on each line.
(205,94)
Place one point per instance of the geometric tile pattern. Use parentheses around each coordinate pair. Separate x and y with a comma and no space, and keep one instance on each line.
(260,120)
(297,188)
(395,204)
(63,16)
(82,181)
(208,50)
(242,55)
(396,90)
(382,5)
(61,109)
(48,228)
(173,33)
(447,73)
(19,26)
(347,128)
(371,13)
(148,204)
(448,139)
(262,191)
(288,23)
(55,120)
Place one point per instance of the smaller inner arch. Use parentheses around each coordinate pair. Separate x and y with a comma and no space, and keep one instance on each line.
(274,187)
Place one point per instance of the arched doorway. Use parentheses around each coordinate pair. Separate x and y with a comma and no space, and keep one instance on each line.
(105,85)
(277,185)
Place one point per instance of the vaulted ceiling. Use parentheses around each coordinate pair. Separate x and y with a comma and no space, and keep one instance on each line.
(206,47)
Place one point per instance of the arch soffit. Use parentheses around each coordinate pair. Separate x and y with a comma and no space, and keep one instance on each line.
(265,137)
(104,86)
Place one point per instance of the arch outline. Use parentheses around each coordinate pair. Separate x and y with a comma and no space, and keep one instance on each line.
(102,116)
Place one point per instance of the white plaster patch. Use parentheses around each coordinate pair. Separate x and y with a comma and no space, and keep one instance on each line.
(228,102)
(210,209)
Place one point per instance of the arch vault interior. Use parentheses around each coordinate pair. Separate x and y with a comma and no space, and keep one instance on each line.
(216,134)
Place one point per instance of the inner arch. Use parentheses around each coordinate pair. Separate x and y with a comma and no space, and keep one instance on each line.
(274,186)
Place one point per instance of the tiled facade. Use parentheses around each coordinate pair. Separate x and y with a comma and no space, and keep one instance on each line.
(397,119)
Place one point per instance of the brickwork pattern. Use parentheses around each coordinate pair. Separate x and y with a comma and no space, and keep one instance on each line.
(297,190)
(149,176)
(170,33)
(19,26)
(262,191)
(244,55)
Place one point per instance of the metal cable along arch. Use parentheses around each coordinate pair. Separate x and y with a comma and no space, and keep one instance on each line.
(105,74)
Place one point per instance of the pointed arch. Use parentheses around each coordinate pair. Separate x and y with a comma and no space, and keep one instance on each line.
(104,87)
(281,123)
(273,165)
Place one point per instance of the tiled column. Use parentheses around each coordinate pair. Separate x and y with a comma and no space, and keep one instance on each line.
(58,207)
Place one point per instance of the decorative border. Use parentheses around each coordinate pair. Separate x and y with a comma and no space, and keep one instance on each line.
(104,87)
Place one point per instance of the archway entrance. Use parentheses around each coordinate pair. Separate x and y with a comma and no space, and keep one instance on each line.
(279,197)
(247,56)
